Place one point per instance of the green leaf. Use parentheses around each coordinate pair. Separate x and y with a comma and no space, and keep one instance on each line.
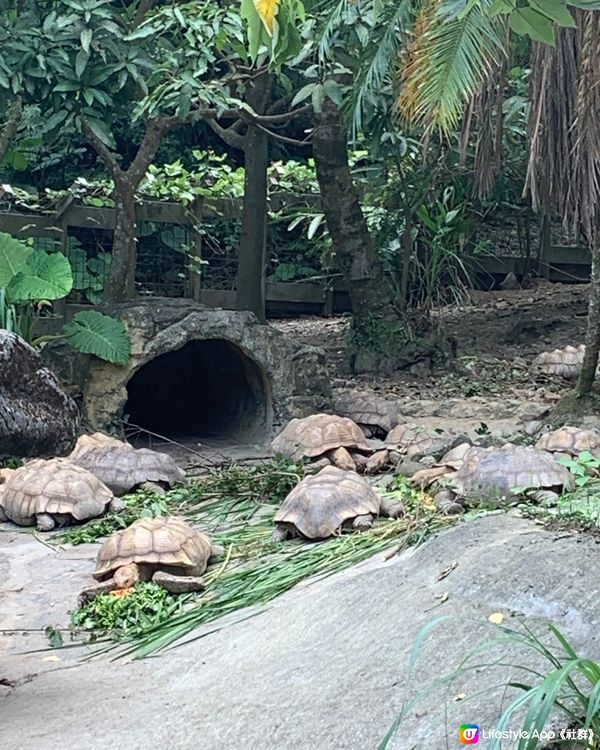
(13,257)
(529,21)
(555,10)
(43,276)
(102,131)
(333,91)
(91,332)
(81,61)
(86,40)
(303,94)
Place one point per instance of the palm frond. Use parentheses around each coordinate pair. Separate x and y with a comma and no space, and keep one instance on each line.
(333,22)
(447,62)
(378,60)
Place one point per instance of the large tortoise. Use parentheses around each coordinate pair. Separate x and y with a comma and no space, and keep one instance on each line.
(323,504)
(564,362)
(121,467)
(374,415)
(165,550)
(53,492)
(327,437)
(570,441)
(501,475)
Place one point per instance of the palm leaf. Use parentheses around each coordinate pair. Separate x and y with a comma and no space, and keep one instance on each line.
(380,55)
(13,256)
(450,60)
(42,276)
(91,332)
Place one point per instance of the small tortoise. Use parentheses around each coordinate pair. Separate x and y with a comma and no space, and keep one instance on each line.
(323,504)
(165,550)
(570,441)
(374,415)
(336,440)
(53,492)
(502,475)
(412,441)
(563,362)
(121,467)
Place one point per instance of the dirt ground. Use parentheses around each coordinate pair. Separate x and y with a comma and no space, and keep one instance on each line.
(497,333)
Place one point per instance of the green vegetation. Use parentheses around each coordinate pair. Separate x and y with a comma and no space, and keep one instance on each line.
(566,684)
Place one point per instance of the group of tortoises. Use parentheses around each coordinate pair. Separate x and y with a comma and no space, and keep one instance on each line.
(171,553)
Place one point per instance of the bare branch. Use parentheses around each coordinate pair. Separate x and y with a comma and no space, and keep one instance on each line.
(229,135)
(283,138)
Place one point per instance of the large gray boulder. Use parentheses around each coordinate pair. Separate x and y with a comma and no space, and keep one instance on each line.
(37,418)
(324,667)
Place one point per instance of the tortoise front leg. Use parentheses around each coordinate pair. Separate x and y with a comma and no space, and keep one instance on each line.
(362,523)
(391,508)
(91,592)
(178,584)
(45,522)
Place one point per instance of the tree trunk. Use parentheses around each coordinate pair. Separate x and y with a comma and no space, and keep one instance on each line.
(592,339)
(377,332)
(250,280)
(356,256)
(120,284)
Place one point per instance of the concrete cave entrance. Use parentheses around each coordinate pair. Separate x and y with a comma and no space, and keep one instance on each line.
(208,388)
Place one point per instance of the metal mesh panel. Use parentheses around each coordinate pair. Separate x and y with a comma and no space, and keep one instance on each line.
(220,241)
(89,251)
(163,259)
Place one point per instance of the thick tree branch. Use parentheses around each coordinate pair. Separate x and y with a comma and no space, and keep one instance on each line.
(228,135)
(11,125)
(107,156)
(143,7)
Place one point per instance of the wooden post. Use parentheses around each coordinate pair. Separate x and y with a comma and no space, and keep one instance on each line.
(195,279)
(545,242)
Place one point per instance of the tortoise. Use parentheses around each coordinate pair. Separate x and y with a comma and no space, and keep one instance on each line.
(502,475)
(563,362)
(53,492)
(374,415)
(323,504)
(413,441)
(165,550)
(325,437)
(570,441)
(121,467)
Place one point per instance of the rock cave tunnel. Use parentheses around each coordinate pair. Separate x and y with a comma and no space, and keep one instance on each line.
(207,388)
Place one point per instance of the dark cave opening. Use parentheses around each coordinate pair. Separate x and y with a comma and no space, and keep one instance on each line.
(208,388)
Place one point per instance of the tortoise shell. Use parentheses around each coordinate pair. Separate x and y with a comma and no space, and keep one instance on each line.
(120,466)
(56,486)
(165,542)
(315,435)
(495,472)
(320,504)
(416,440)
(571,441)
(563,362)
(368,410)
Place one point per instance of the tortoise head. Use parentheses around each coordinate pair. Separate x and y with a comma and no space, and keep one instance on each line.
(126,576)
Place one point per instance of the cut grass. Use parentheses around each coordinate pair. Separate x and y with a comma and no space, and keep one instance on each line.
(237,512)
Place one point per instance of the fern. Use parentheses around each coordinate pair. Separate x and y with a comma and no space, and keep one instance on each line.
(91,332)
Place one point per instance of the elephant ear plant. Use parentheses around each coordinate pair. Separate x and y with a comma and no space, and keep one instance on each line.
(30,280)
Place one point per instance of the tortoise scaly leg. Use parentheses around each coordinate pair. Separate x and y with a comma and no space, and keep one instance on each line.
(447,503)
(391,508)
(45,522)
(216,551)
(91,592)
(155,487)
(178,584)
(362,523)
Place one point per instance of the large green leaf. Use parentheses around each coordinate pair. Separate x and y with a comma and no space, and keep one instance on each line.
(42,276)
(13,256)
(92,332)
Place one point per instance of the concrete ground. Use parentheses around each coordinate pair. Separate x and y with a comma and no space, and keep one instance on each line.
(322,668)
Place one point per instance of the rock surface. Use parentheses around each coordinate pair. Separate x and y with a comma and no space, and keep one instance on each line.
(322,668)
(296,377)
(37,418)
